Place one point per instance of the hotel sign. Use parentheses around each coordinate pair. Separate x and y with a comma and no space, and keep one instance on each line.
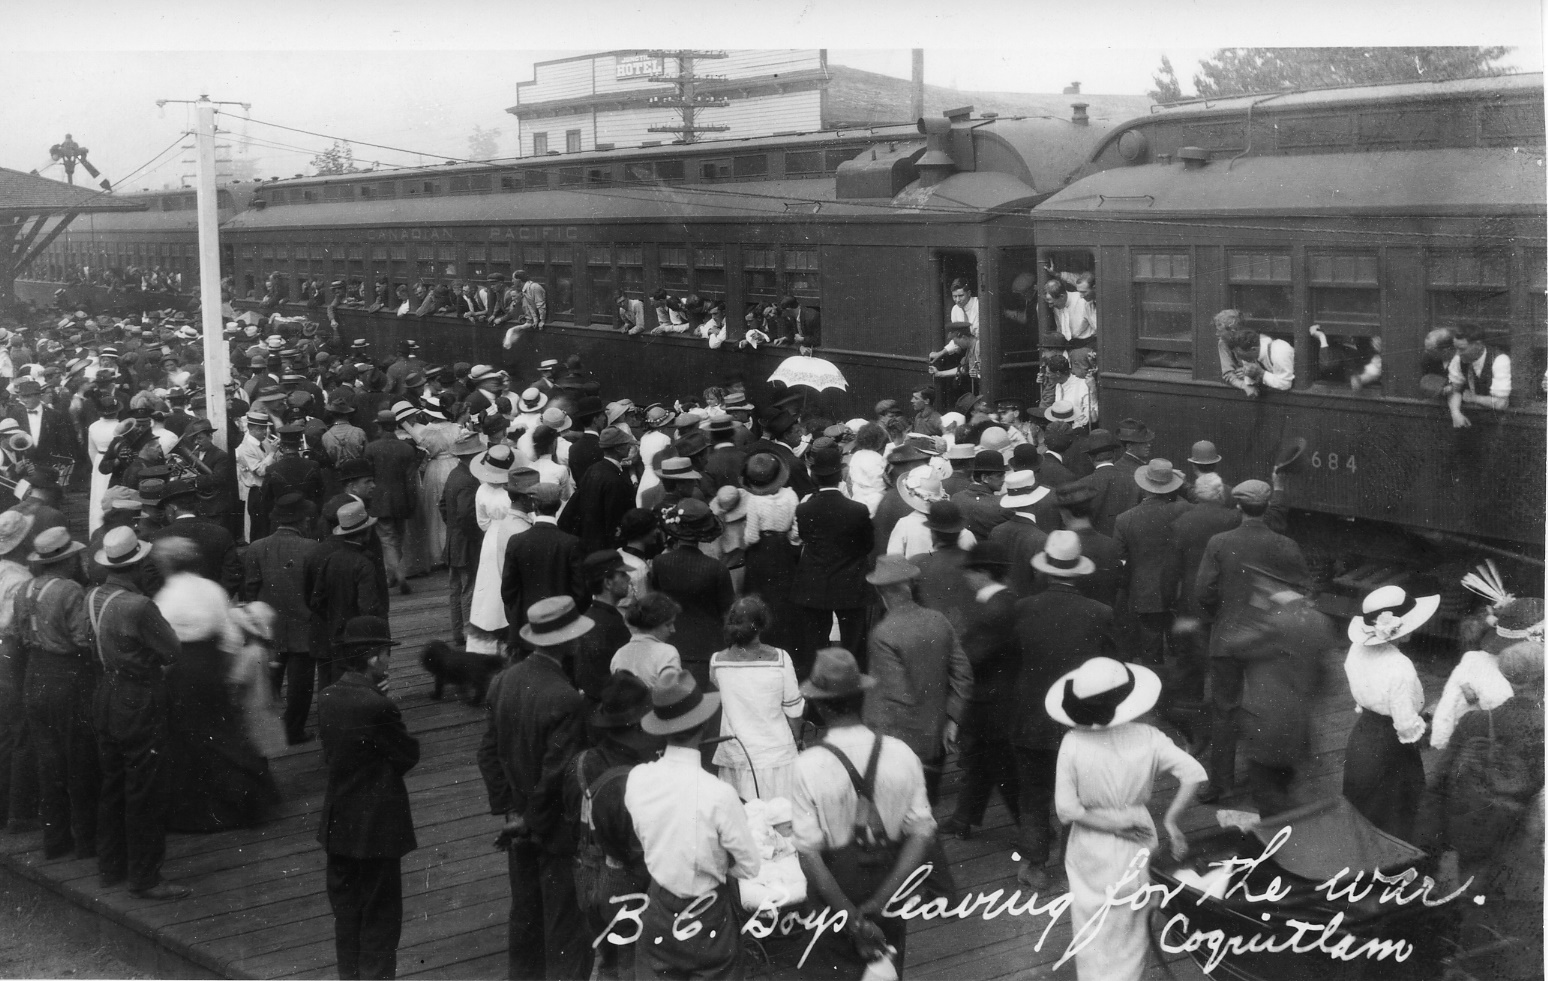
(638,66)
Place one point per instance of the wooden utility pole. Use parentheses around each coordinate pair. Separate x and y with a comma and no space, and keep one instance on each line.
(687,101)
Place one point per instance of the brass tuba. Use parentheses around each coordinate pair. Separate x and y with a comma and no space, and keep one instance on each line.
(19,442)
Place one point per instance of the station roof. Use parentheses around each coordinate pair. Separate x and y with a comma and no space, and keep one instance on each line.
(1465,181)
(28,194)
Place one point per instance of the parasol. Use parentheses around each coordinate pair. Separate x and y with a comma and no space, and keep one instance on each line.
(818,373)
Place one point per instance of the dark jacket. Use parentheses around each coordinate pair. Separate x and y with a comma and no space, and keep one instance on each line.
(942,587)
(218,559)
(836,544)
(289,472)
(1058,630)
(989,640)
(922,678)
(723,465)
(536,722)
(396,463)
(1282,657)
(1191,531)
(1223,587)
(602,495)
(463,537)
(540,562)
(275,573)
(981,507)
(342,580)
(593,656)
(56,437)
(703,587)
(585,450)
(367,750)
(1053,472)
(1144,537)
(1116,492)
(889,511)
(1022,538)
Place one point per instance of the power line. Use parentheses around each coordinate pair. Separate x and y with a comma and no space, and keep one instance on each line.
(378,146)
(135,172)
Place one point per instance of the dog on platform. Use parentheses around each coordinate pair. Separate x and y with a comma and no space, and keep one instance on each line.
(469,673)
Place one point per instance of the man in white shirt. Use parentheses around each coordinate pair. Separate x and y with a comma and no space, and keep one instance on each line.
(694,834)
(1072,316)
(827,814)
(253,456)
(631,313)
(964,305)
(1070,389)
(1256,360)
(1477,376)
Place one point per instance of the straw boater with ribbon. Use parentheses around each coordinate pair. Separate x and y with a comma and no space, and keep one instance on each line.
(1383,772)
(694,833)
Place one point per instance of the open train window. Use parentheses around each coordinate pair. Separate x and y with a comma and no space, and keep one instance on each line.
(599,274)
(802,276)
(715,169)
(1345,292)
(630,270)
(1163,310)
(1469,287)
(670,170)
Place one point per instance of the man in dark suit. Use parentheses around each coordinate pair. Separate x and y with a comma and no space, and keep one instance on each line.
(723,464)
(1075,502)
(536,724)
(988,759)
(980,500)
(289,471)
(366,826)
(218,560)
(1136,438)
(218,490)
(1114,490)
(608,584)
(540,562)
(602,494)
(941,586)
(395,464)
(342,580)
(274,573)
(1223,590)
(52,432)
(836,543)
(1058,630)
(782,432)
(42,502)
(586,439)
(1144,536)
(1021,538)
(1055,471)
(1211,513)
(463,537)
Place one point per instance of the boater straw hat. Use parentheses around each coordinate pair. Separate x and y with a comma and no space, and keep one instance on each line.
(1061,556)
(121,547)
(532,400)
(1101,693)
(53,545)
(554,621)
(677,704)
(1388,614)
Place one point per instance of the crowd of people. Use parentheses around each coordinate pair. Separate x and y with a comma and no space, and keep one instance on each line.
(687,607)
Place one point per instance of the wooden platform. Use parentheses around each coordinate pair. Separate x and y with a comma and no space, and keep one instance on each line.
(259,908)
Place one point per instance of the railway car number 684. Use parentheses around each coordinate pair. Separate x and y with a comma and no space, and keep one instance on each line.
(1334,462)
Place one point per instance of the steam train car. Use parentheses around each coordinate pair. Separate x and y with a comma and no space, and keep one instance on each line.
(1377,213)
(164,235)
(866,230)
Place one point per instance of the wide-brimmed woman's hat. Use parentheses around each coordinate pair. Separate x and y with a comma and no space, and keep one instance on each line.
(835,674)
(1389,613)
(765,474)
(121,547)
(625,701)
(1061,556)
(677,704)
(1158,477)
(920,486)
(532,400)
(553,621)
(1102,692)
(493,466)
(692,521)
(53,545)
(13,529)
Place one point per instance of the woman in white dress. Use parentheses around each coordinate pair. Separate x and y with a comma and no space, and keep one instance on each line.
(866,479)
(761,705)
(1107,768)
(492,510)
(1383,772)
(98,436)
(435,436)
(545,460)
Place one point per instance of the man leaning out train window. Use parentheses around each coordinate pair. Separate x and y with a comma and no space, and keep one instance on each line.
(1478,376)
(1250,360)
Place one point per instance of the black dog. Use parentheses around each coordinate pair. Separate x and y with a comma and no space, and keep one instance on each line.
(469,673)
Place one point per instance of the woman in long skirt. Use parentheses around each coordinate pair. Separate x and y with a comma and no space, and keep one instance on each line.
(1383,772)
(436,438)
(770,556)
(761,705)
(1107,768)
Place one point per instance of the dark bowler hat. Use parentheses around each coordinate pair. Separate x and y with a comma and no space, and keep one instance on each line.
(354,470)
(765,473)
(1026,457)
(780,423)
(946,517)
(987,555)
(827,457)
(625,701)
(989,461)
(1204,454)
(835,674)
(588,406)
(636,523)
(178,489)
(369,632)
(1100,441)
(290,506)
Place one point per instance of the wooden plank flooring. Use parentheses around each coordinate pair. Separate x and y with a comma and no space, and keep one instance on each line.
(259,908)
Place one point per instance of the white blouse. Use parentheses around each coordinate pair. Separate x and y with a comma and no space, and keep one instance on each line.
(769,513)
(1382,679)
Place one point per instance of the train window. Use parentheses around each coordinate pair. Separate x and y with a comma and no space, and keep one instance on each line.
(446,259)
(561,288)
(1163,310)
(673,262)
(308,194)
(572,141)
(479,182)
(800,162)
(670,170)
(599,273)
(801,273)
(1534,346)
(459,185)
(1261,290)
(751,165)
(718,168)
(534,178)
(631,270)
(337,192)
(759,277)
(599,175)
(569,175)
(499,260)
(539,144)
(639,172)
(510,182)
(709,271)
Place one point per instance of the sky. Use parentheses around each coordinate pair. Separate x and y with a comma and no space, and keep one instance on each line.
(383,71)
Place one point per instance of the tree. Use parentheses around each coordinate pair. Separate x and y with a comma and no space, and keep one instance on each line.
(337,159)
(1238,71)
(1167,87)
(484,143)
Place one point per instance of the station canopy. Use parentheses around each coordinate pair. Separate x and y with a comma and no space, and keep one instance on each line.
(34,210)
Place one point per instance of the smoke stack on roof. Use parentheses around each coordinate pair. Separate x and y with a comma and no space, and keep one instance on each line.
(936,164)
(1078,114)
